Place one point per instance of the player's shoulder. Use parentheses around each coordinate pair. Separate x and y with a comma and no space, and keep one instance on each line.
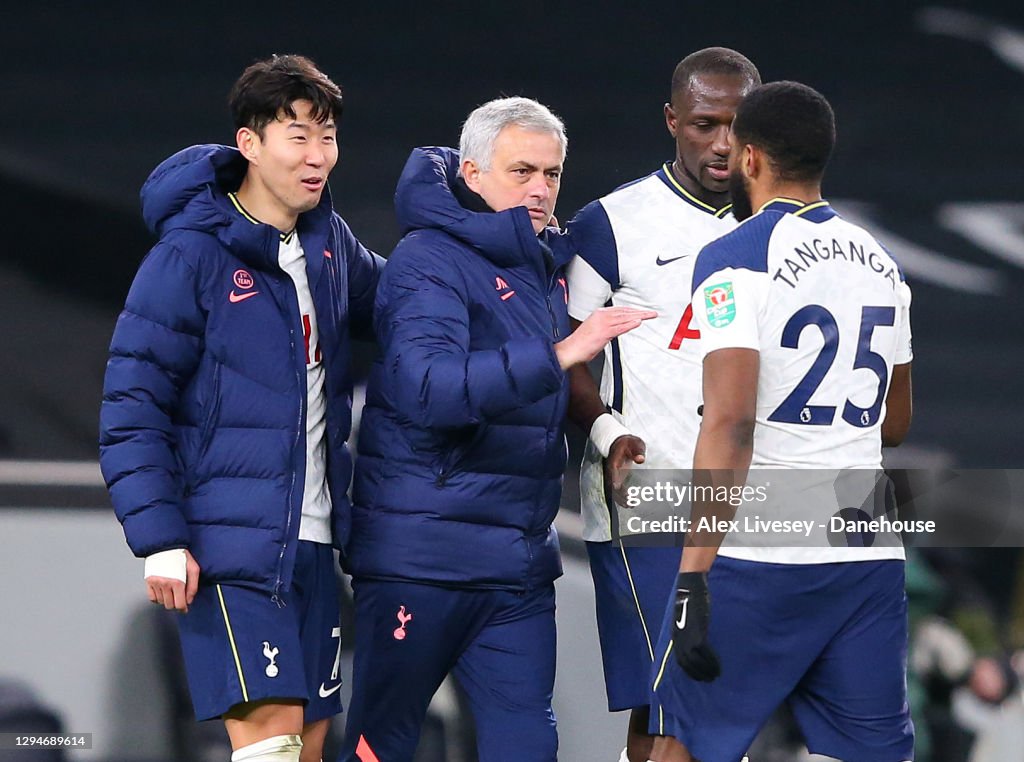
(638,186)
(888,253)
(199,250)
(858,235)
(591,216)
(594,231)
(638,198)
(745,247)
(596,212)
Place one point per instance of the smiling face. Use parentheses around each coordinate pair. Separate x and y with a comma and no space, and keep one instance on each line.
(288,165)
(526,170)
(699,118)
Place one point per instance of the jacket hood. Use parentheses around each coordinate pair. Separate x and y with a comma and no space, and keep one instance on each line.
(189,191)
(173,195)
(426,199)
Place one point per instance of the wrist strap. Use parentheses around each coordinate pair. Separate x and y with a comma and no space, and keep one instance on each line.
(604,431)
(166,563)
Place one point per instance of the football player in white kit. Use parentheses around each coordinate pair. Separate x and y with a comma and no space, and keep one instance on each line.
(637,247)
(805,335)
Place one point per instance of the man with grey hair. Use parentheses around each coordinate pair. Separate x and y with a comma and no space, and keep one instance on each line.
(462,450)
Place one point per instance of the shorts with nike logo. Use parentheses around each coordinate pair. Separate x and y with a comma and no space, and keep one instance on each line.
(829,640)
(240,646)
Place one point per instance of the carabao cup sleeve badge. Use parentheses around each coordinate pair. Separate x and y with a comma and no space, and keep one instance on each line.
(720,304)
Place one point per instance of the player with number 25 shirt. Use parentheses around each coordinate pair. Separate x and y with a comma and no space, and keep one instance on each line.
(805,337)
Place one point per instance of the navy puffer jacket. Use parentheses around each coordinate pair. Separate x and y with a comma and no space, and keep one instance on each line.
(461,445)
(202,427)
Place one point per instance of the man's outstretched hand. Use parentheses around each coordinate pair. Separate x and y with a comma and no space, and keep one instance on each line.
(692,614)
(603,325)
(624,452)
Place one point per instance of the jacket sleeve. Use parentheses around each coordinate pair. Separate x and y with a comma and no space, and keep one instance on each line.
(364,268)
(155,349)
(423,327)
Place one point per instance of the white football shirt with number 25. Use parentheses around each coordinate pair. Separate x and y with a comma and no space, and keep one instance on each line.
(828,311)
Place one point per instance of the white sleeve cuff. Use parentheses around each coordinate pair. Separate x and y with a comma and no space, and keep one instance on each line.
(604,431)
(166,563)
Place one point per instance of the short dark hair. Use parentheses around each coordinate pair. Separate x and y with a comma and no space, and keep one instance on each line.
(269,87)
(793,124)
(712,61)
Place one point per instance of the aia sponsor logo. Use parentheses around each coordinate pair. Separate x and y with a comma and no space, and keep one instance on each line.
(243,280)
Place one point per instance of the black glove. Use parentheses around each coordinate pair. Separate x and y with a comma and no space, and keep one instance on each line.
(690,627)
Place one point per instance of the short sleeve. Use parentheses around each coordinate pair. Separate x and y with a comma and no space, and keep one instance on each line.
(726,306)
(588,291)
(593,239)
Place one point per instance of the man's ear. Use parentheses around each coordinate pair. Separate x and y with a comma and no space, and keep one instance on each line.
(752,161)
(471,172)
(671,120)
(248,143)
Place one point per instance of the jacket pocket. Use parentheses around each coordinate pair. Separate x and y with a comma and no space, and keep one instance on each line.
(453,456)
(212,413)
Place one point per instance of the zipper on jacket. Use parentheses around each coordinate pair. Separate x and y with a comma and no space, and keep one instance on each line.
(551,313)
(276,597)
(551,271)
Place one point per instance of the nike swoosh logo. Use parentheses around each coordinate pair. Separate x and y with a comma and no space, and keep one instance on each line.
(324,692)
(660,261)
(681,624)
(235,298)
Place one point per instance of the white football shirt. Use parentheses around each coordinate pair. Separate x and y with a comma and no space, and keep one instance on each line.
(828,311)
(316,500)
(637,247)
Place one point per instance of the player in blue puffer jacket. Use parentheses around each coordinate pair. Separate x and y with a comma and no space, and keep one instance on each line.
(461,446)
(227,404)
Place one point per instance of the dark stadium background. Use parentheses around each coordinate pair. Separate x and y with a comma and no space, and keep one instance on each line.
(98,93)
(929,99)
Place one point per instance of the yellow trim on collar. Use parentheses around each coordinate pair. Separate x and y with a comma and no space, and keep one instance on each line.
(675,184)
(809,207)
(241,209)
(285,237)
(783,200)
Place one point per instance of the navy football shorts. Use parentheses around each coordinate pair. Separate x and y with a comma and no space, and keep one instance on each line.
(240,646)
(828,639)
(631,585)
